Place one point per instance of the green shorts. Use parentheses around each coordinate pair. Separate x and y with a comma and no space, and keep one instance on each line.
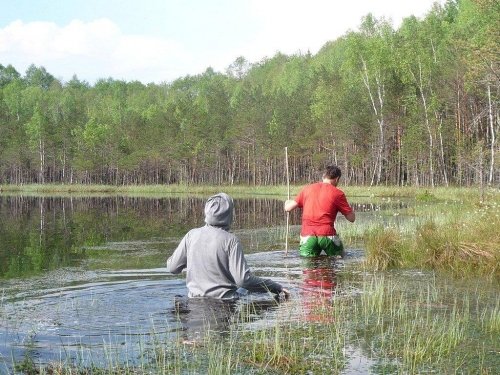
(311,246)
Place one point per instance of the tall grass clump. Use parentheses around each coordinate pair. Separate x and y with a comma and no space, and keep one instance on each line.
(491,320)
(463,246)
(383,248)
(459,248)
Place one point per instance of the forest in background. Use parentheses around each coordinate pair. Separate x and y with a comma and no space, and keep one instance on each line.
(417,105)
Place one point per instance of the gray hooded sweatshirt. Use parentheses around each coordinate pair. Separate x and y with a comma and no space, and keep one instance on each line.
(213,257)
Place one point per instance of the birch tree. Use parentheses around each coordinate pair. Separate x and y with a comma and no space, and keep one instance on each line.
(419,57)
(478,37)
(369,57)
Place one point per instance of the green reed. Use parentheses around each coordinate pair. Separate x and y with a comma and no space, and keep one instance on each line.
(426,194)
(433,328)
(462,245)
(424,331)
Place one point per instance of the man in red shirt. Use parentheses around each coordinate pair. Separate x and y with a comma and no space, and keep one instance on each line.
(320,203)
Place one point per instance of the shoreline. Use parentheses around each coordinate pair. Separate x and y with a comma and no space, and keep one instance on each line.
(420,193)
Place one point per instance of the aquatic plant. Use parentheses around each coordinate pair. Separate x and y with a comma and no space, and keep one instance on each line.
(465,246)
(406,330)
(383,248)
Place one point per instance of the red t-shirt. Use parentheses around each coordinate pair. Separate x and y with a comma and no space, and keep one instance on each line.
(320,203)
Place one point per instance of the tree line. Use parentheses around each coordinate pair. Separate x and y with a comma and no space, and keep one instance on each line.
(414,105)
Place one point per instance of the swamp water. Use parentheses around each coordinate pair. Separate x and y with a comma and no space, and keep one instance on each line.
(83,283)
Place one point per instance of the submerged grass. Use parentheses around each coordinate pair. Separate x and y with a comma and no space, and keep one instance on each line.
(413,334)
(425,331)
(400,329)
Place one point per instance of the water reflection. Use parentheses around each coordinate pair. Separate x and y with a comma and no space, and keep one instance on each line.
(319,281)
(201,316)
(81,272)
(39,234)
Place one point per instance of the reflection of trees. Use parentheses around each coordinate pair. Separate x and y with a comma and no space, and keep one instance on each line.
(62,226)
(251,212)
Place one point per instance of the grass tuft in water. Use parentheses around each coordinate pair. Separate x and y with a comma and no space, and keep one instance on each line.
(401,329)
(462,247)
(423,331)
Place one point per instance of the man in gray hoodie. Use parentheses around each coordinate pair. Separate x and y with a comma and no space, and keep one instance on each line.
(213,257)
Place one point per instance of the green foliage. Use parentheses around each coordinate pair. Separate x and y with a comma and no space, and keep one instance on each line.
(406,106)
(38,77)
(7,74)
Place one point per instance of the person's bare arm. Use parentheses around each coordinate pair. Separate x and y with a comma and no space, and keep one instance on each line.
(351,216)
(290,205)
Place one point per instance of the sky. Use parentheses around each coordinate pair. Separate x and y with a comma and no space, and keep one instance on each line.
(162,40)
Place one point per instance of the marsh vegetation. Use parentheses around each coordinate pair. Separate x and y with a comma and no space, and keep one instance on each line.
(83,289)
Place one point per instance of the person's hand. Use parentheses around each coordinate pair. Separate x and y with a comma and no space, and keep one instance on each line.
(290,205)
(284,294)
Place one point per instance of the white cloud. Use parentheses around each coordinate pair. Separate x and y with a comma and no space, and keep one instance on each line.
(292,26)
(96,49)
(101,49)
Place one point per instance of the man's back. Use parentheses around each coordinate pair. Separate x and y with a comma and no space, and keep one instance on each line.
(320,203)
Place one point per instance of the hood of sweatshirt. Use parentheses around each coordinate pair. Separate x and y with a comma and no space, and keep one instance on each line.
(219,211)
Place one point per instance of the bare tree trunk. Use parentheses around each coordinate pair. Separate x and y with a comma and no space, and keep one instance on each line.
(420,83)
(378,110)
(64,165)
(481,173)
(254,166)
(346,164)
(374,171)
(458,176)
(248,165)
(42,161)
(445,173)
(493,138)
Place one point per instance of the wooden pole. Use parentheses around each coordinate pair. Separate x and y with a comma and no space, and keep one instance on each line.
(288,197)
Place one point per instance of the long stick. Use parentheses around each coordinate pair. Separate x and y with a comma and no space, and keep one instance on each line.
(288,197)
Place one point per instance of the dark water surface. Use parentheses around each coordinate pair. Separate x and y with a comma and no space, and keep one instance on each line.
(85,273)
